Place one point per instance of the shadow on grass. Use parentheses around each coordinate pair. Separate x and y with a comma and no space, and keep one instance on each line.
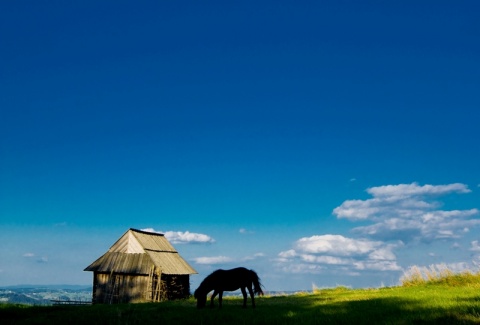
(318,309)
(302,309)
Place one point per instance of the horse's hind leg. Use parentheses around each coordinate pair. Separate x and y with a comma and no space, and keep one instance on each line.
(244,293)
(220,299)
(252,295)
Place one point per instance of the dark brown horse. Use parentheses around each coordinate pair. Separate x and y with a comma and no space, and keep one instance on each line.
(228,280)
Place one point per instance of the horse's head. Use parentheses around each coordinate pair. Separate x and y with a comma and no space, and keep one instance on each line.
(201,298)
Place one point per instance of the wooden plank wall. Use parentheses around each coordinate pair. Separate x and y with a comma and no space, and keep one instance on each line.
(119,288)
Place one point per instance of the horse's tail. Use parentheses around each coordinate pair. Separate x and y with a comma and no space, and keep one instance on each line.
(257,286)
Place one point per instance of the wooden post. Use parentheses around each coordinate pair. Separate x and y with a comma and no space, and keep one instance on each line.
(112,285)
(149,289)
(158,289)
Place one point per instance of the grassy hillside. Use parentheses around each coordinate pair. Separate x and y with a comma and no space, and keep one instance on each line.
(450,299)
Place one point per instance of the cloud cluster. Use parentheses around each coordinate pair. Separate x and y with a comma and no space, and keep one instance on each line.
(314,254)
(408,212)
(399,215)
(179,237)
(394,217)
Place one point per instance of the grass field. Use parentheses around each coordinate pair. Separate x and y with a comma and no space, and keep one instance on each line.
(434,301)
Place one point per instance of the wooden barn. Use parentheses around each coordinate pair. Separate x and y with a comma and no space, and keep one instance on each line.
(140,267)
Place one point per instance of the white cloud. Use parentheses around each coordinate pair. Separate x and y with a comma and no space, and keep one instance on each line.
(475,246)
(338,253)
(302,268)
(476,261)
(287,254)
(151,230)
(456,246)
(384,253)
(357,209)
(407,212)
(212,260)
(42,260)
(253,257)
(179,237)
(403,190)
(331,260)
(377,265)
(335,244)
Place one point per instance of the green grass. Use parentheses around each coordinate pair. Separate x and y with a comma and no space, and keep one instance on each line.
(454,300)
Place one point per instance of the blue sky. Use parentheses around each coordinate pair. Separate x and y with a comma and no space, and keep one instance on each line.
(321,144)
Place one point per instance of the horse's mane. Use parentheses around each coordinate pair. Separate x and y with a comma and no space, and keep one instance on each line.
(208,279)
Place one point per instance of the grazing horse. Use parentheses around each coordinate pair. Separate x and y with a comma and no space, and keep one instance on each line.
(228,280)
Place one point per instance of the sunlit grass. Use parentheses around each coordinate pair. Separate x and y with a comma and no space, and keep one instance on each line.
(439,274)
(441,297)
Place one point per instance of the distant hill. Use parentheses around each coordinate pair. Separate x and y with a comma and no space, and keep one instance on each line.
(49,286)
(44,294)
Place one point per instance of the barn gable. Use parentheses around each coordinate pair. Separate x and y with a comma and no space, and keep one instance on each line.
(127,244)
(140,266)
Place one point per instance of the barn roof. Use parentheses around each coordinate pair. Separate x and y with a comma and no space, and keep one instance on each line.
(137,251)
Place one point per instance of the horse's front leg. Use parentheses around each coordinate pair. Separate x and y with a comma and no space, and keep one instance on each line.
(215,293)
(244,297)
